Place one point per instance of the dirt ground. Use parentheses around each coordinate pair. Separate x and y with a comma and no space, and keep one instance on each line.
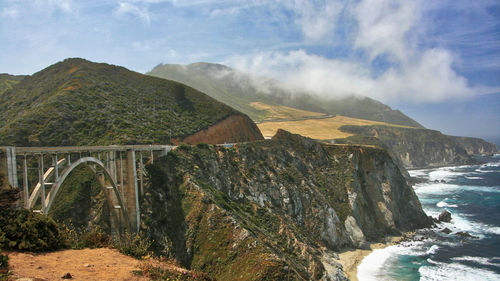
(87,264)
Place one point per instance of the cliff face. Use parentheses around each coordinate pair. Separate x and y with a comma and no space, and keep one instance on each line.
(420,148)
(235,128)
(277,208)
(476,146)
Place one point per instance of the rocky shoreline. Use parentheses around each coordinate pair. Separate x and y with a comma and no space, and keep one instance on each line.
(350,258)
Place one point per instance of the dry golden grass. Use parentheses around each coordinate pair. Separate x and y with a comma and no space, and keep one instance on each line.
(321,129)
(283,112)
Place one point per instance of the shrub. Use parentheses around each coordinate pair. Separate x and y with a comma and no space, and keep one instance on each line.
(28,231)
(202,145)
(92,238)
(154,272)
(4,267)
(134,245)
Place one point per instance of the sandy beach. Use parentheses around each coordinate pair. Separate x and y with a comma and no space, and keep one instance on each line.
(351,258)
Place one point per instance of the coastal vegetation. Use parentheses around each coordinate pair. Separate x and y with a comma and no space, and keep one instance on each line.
(78,102)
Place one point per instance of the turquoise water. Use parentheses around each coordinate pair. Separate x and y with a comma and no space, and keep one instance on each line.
(472,195)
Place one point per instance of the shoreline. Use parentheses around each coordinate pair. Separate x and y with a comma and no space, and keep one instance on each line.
(350,259)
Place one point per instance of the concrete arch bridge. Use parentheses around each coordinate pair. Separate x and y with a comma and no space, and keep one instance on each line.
(119,169)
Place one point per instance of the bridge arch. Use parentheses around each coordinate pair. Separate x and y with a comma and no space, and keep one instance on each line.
(119,214)
(123,167)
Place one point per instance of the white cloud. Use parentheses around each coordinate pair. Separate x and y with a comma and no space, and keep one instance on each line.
(389,28)
(316,19)
(384,26)
(126,8)
(429,79)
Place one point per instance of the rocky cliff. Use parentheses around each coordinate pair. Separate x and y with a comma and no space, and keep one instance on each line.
(476,146)
(419,148)
(274,209)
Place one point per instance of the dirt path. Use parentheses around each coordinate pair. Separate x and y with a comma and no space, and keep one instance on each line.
(87,264)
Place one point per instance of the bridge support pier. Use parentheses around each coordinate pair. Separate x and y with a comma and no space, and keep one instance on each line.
(8,166)
(131,190)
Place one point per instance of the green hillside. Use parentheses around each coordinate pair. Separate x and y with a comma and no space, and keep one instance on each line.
(239,90)
(8,81)
(78,102)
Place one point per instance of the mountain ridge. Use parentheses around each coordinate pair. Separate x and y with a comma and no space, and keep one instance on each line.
(239,89)
(91,103)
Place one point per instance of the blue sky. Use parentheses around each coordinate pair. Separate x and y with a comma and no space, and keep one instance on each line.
(438,61)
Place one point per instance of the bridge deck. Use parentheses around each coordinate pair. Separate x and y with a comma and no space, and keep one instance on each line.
(75,149)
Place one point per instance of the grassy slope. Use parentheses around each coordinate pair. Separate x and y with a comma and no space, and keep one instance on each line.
(239,90)
(284,112)
(77,102)
(321,129)
(8,81)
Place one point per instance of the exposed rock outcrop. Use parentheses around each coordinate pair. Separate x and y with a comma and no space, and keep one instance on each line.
(276,207)
(445,216)
(235,128)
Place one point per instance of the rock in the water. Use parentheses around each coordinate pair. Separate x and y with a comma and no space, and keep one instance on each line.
(465,234)
(445,216)
(434,220)
(67,276)
(446,230)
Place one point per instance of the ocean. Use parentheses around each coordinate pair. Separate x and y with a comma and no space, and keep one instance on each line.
(472,195)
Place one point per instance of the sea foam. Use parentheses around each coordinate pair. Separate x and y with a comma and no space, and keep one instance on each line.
(443,204)
(455,271)
(369,269)
(479,260)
